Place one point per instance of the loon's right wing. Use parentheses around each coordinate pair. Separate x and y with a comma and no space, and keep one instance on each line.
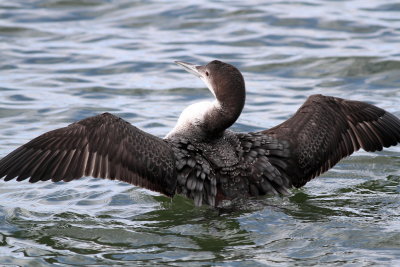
(102,146)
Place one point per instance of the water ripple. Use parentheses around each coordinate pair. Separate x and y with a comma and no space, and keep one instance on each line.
(64,60)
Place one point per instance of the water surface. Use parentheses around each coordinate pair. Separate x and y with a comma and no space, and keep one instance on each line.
(64,60)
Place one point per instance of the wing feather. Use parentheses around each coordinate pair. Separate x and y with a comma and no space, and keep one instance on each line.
(326,129)
(103,146)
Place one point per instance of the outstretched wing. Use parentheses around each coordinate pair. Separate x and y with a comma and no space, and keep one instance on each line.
(102,146)
(326,129)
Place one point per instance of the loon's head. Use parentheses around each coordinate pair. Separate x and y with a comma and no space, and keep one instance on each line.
(222,79)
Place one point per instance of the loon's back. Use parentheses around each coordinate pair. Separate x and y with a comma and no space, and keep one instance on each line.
(233,166)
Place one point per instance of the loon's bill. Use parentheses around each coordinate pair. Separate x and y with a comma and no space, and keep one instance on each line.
(200,158)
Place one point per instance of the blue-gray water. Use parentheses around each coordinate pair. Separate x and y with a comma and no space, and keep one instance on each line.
(64,60)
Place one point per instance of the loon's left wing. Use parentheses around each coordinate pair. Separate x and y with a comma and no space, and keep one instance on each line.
(326,129)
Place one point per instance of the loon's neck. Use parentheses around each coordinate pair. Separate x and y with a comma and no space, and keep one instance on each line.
(208,120)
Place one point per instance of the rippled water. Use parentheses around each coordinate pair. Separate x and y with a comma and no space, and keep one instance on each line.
(63,60)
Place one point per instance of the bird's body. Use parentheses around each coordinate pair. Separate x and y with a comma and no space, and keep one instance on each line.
(233,166)
(200,158)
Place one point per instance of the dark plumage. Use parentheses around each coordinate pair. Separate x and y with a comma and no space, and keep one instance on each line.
(98,146)
(199,158)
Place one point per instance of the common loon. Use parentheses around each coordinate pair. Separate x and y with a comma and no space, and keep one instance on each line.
(200,158)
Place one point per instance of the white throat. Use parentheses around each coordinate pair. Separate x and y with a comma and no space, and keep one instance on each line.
(192,118)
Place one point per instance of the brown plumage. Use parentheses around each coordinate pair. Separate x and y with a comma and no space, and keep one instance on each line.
(103,146)
(326,129)
(199,158)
